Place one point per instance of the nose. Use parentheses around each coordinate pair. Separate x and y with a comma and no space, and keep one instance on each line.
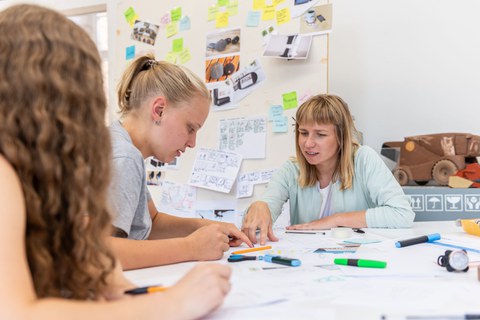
(309,141)
(192,139)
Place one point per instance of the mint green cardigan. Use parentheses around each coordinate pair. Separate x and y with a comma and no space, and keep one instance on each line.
(374,189)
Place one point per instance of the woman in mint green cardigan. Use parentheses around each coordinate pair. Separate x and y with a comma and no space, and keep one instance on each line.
(333,181)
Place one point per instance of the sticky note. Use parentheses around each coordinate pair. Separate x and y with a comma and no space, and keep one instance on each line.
(172,29)
(280,124)
(184,24)
(221,20)
(130,16)
(184,56)
(165,19)
(290,100)
(232,8)
(176,13)
(171,57)
(283,16)
(277,2)
(212,13)
(222,3)
(177,45)
(275,111)
(258,4)
(253,18)
(130,52)
(268,13)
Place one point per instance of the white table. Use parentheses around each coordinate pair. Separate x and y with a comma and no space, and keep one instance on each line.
(412,283)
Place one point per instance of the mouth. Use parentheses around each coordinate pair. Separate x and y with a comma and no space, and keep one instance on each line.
(310,153)
(179,152)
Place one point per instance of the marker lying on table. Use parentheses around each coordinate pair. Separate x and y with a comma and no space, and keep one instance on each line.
(142,290)
(360,263)
(282,260)
(422,239)
(252,250)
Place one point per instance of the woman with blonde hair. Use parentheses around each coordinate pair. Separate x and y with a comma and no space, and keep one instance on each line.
(162,107)
(333,181)
(54,164)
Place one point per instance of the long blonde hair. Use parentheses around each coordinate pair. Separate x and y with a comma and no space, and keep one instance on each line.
(145,77)
(328,109)
(52,109)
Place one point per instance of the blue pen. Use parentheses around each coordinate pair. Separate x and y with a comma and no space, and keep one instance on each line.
(282,260)
(422,239)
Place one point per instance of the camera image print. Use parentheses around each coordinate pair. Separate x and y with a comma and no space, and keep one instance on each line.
(220,69)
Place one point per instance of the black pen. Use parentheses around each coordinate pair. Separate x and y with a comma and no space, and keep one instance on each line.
(304,231)
(149,289)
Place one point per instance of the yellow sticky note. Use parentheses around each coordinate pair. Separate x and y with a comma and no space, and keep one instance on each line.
(212,12)
(268,13)
(290,100)
(232,8)
(130,16)
(258,4)
(221,20)
(283,16)
(184,56)
(176,13)
(172,29)
(171,57)
(277,2)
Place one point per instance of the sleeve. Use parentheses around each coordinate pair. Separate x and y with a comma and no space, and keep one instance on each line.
(127,184)
(278,189)
(391,206)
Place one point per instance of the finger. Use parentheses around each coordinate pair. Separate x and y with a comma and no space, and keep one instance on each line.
(252,234)
(304,226)
(225,247)
(263,234)
(240,235)
(235,242)
(271,235)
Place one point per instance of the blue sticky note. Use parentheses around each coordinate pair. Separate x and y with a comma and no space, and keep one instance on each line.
(130,52)
(280,124)
(184,24)
(275,111)
(253,18)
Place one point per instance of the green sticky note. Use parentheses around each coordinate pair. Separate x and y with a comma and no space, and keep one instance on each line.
(129,14)
(177,45)
(222,3)
(172,29)
(171,57)
(212,13)
(176,13)
(290,100)
(184,56)
(232,8)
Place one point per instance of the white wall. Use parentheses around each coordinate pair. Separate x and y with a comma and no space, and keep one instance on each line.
(407,67)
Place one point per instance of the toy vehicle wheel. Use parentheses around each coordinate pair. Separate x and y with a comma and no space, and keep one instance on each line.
(442,170)
(401,176)
(421,182)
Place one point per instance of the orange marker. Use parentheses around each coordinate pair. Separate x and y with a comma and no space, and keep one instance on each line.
(143,290)
(252,250)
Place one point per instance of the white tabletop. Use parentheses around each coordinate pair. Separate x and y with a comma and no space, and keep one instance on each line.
(411,284)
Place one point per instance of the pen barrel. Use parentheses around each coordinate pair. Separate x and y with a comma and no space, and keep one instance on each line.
(360,263)
(417,240)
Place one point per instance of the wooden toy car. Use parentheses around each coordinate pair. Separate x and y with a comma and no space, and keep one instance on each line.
(431,157)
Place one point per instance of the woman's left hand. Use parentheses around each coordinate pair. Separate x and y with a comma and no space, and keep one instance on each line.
(314,225)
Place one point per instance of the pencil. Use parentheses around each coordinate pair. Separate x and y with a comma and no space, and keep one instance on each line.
(252,250)
(143,290)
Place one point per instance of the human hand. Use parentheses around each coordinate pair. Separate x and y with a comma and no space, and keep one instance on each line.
(313,225)
(208,242)
(202,290)
(258,217)
(236,236)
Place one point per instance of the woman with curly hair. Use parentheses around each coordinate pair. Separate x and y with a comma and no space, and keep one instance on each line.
(54,164)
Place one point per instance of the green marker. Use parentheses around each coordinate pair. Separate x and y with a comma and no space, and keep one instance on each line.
(360,263)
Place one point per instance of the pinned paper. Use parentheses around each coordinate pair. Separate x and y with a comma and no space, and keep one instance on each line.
(277,2)
(130,52)
(222,3)
(131,16)
(165,19)
(212,12)
(177,45)
(221,20)
(176,13)
(290,100)
(172,29)
(258,4)
(171,57)
(184,24)
(253,18)
(184,56)
(283,16)
(280,124)
(232,8)
(268,13)
(274,112)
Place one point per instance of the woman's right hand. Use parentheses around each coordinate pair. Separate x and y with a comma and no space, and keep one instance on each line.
(258,217)
(200,291)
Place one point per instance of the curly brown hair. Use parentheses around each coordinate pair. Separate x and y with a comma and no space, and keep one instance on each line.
(52,111)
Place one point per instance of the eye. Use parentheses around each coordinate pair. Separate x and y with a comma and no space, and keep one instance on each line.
(303,133)
(191,130)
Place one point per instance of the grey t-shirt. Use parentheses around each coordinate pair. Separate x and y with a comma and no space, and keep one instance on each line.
(129,195)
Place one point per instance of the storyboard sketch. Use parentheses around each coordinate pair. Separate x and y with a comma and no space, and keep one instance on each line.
(246,136)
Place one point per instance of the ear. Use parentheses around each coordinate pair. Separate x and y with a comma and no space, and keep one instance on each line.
(158,107)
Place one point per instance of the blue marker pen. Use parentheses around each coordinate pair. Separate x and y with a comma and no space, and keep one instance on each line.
(282,260)
(422,239)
